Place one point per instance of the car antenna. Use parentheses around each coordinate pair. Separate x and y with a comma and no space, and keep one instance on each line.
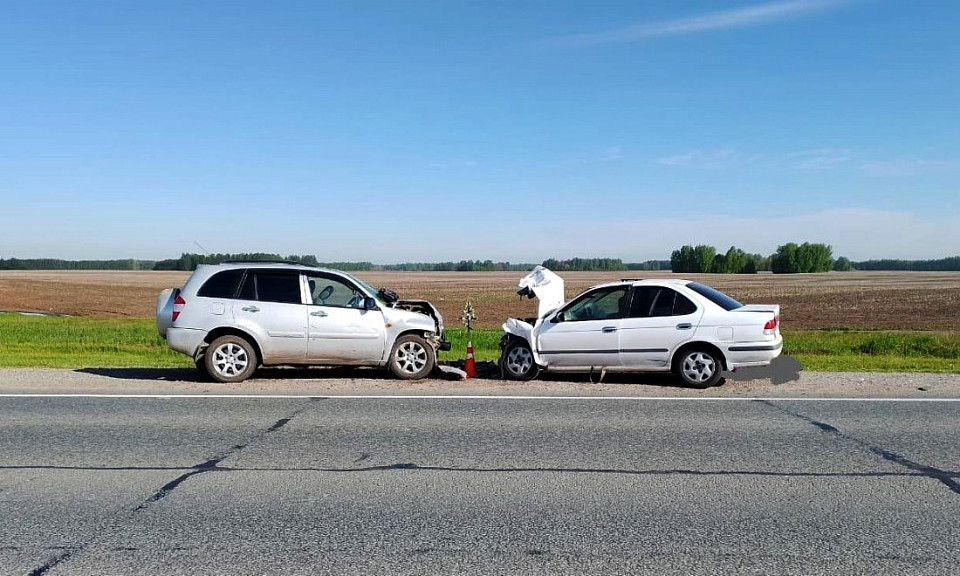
(202,249)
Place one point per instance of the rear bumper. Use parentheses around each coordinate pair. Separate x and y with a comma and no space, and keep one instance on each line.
(186,340)
(744,354)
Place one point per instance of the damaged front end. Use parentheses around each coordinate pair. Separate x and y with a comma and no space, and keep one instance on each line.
(426,308)
(420,307)
(540,283)
(544,284)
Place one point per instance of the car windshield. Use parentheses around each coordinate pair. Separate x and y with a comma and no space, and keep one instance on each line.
(370,290)
(715,296)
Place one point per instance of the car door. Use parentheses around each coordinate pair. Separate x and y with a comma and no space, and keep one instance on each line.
(270,305)
(341,330)
(659,320)
(585,332)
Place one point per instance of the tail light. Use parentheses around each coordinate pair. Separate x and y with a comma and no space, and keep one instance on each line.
(178,304)
(771,325)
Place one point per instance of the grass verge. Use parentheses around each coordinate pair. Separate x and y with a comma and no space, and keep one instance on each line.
(80,342)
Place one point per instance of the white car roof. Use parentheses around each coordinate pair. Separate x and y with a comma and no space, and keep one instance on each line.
(646,282)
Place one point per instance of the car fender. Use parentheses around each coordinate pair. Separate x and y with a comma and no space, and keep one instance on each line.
(523,330)
(400,321)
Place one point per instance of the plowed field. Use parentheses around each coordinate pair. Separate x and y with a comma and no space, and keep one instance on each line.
(882,300)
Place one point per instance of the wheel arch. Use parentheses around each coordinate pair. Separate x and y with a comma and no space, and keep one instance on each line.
(230,331)
(698,344)
(427,335)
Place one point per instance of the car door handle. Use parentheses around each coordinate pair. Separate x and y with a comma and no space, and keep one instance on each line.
(250,309)
(319,313)
(609,329)
(684,326)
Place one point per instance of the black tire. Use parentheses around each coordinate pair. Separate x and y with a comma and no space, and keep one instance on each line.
(200,363)
(516,361)
(412,358)
(698,367)
(230,359)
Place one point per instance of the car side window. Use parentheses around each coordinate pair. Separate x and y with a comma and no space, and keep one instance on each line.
(657,301)
(248,290)
(643,297)
(279,287)
(601,304)
(222,284)
(663,303)
(331,291)
(683,306)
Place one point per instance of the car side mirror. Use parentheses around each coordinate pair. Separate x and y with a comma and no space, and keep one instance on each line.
(558,317)
(369,303)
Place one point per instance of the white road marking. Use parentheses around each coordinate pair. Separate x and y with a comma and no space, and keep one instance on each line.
(473,397)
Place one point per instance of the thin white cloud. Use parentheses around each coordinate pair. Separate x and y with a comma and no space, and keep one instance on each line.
(901,167)
(722,20)
(706,159)
(612,154)
(820,158)
(455,164)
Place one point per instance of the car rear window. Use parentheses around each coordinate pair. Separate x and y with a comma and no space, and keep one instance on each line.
(715,296)
(222,284)
(271,287)
(654,301)
(283,288)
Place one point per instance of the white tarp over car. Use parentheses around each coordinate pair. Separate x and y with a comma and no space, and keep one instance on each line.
(546,286)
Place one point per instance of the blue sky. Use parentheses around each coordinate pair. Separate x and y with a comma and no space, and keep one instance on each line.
(513,130)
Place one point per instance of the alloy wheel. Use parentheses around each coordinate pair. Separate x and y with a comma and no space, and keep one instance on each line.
(699,367)
(411,357)
(519,360)
(230,360)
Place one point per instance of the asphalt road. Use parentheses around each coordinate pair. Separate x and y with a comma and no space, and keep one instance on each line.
(478,486)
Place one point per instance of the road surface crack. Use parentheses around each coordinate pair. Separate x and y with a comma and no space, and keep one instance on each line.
(943,476)
(210,465)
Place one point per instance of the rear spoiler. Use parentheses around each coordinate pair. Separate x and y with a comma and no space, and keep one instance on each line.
(775,308)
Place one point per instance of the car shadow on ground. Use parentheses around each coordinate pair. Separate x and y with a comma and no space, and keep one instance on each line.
(659,380)
(491,371)
(154,374)
(279,373)
(782,370)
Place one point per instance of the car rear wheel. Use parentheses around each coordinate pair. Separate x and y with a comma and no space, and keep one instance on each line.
(517,361)
(698,367)
(412,358)
(230,359)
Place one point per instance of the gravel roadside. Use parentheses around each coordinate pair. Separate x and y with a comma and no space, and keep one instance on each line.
(330,382)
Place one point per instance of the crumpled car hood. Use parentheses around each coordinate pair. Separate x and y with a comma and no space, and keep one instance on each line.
(543,284)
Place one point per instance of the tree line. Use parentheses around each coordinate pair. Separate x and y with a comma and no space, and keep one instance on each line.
(789,258)
(60,264)
(940,265)
(188,262)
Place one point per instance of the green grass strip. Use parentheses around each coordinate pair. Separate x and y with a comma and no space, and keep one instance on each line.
(81,342)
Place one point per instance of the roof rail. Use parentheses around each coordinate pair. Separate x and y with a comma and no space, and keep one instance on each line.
(262,262)
(630,279)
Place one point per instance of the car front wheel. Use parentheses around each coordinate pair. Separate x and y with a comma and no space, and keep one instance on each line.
(412,358)
(230,359)
(698,368)
(517,361)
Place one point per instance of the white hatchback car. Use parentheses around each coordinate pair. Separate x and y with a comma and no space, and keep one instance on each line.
(233,317)
(657,325)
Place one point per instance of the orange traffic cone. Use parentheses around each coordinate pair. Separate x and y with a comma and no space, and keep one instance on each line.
(471,366)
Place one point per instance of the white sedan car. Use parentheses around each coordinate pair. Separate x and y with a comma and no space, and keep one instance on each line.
(658,325)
